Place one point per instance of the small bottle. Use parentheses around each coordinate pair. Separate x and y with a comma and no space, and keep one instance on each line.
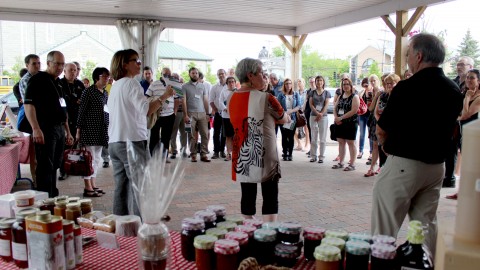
(48,204)
(227,225)
(227,254)
(286,255)
(312,238)
(205,258)
(6,239)
(73,212)
(414,254)
(327,257)
(264,246)
(289,233)
(219,210)
(383,257)
(60,208)
(208,217)
(19,237)
(86,206)
(242,239)
(191,227)
(357,255)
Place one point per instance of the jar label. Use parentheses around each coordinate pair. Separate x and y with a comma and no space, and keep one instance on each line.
(19,251)
(5,248)
(78,249)
(70,252)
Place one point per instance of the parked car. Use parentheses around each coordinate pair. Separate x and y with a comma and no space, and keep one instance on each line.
(332,94)
(11,101)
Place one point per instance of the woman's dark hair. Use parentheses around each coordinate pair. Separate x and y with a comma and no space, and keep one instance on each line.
(318,78)
(476,71)
(97,72)
(364,81)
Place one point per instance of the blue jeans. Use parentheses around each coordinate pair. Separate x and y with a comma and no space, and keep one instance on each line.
(362,123)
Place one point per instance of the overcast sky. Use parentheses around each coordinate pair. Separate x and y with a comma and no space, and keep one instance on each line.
(227,48)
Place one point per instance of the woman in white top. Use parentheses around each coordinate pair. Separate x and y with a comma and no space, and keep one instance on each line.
(227,128)
(128,110)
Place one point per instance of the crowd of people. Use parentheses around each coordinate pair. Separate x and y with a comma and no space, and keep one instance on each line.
(245,109)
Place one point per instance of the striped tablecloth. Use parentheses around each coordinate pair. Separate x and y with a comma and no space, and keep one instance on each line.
(125,258)
(9,156)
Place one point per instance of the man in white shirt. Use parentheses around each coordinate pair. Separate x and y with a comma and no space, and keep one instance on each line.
(218,138)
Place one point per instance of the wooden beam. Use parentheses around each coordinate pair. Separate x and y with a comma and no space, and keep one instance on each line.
(389,23)
(286,43)
(413,20)
(301,41)
(400,42)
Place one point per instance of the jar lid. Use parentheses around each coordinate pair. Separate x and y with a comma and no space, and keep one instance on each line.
(73,205)
(240,237)
(85,202)
(204,241)
(246,229)
(22,214)
(265,235)
(235,218)
(44,215)
(219,233)
(415,235)
(271,225)
(7,223)
(218,209)
(73,199)
(61,203)
(342,234)
(253,222)
(227,225)
(24,194)
(384,239)
(327,253)
(226,247)
(193,224)
(313,233)
(360,236)
(49,201)
(357,247)
(333,241)
(61,198)
(383,251)
(287,251)
(290,228)
(207,216)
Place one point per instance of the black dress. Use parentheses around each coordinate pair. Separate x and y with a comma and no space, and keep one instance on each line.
(92,118)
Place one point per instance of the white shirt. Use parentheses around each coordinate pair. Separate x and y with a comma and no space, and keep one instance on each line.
(222,102)
(156,89)
(215,94)
(128,109)
(208,87)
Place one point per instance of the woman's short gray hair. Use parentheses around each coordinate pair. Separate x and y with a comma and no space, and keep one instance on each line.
(246,66)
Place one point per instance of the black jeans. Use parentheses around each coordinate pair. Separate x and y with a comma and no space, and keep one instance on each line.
(269,194)
(48,157)
(166,124)
(287,140)
(218,137)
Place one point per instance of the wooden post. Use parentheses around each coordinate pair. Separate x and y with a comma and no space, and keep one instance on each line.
(295,49)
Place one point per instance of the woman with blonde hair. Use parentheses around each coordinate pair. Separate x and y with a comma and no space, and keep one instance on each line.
(303,103)
(290,101)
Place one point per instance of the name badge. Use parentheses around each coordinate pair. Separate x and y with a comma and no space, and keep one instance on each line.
(197,96)
(341,112)
(105,108)
(63,104)
(318,107)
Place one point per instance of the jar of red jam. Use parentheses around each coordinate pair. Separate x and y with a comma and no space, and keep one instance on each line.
(253,222)
(227,225)
(208,217)
(289,233)
(286,255)
(357,255)
(227,254)
(191,227)
(205,258)
(220,212)
(6,238)
(242,239)
(382,257)
(327,257)
(264,246)
(19,237)
(384,239)
(312,238)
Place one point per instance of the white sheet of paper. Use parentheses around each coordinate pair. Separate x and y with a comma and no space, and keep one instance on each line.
(107,240)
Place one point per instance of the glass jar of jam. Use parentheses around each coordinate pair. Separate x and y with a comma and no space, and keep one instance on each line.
(227,254)
(271,225)
(60,209)
(253,222)
(86,206)
(19,238)
(220,212)
(312,238)
(204,255)
(6,238)
(382,257)
(235,219)
(264,246)
(361,237)
(242,239)
(73,212)
(357,255)
(336,242)
(286,255)
(227,225)
(327,257)
(208,217)
(48,204)
(289,233)
(153,242)
(249,230)
(217,232)
(191,227)
(384,239)
(342,234)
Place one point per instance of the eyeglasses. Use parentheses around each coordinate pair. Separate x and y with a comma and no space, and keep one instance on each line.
(139,62)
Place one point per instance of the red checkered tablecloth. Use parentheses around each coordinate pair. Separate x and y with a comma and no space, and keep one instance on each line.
(24,148)
(9,156)
(125,258)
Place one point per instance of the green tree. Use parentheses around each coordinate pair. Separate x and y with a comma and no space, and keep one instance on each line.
(14,73)
(469,47)
(314,64)
(279,51)
(209,76)
(374,69)
(184,74)
(87,70)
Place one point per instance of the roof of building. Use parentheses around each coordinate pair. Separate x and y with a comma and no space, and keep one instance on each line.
(170,50)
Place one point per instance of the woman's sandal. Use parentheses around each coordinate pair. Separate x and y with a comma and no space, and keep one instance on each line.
(350,167)
(369,173)
(314,159)
(99,190)
(360,155)
(91,193)
(337,166)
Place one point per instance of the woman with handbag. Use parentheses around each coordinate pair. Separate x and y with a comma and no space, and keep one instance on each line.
(290,102)
(346,124)
(92,125)
(319,100)
(302,93)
